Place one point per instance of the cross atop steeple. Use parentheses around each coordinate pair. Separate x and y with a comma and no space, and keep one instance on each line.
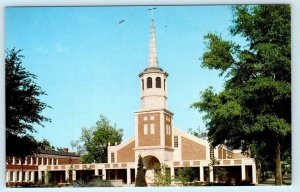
(152,59)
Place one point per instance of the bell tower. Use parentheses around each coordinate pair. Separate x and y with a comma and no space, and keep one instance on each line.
(153,79)
(153,122)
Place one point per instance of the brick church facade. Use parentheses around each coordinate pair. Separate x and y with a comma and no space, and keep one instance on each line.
(158,141)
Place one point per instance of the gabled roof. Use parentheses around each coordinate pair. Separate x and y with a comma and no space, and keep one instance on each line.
(59,153)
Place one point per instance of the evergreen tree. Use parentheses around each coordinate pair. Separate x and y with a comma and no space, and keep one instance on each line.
(140,180)
(254,109)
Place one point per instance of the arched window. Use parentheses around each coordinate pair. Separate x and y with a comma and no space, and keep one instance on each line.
(143,84)
(158,82)
(149,82)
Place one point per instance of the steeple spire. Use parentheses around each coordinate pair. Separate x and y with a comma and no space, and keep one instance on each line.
(152,60)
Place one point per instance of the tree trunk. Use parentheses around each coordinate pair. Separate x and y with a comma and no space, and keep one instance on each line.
(278,180)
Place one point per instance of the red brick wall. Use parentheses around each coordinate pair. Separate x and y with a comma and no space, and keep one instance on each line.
(126,154)
(25,167)
(67,160)
(149,139)
(191,150)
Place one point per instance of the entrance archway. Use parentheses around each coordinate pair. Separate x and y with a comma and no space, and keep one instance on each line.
(149,162)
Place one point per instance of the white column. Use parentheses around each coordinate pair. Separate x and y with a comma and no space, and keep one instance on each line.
(74,175)
(13,160)
(104,174)
(201,174)
(243,172)
(211,174)
(32,176)
(67,176)
(7,176)
(40,176)
(172,172)
(128,176)
(26,176)
(254,173)
(96,171)
(47,161)
(14,176)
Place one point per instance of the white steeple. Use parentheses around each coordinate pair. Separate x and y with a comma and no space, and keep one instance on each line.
(153,79)
(152,59)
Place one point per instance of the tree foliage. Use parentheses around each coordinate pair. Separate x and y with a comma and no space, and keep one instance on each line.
(92,145)
(23,106)
(140,180)
(186,175)
(254,109)
(162,175)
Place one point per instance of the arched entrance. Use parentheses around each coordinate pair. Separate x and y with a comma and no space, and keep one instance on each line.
(149,162)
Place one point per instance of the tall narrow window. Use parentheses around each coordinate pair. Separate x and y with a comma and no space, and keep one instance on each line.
(23,175)
(112,156)
(28,160)
(152,129)
(143,84)
(158,82)
(17,160)
(168,129)
(18,176)
(165,84)
(40,161)
(145,129)
(175,141)
(29,176)
(44,161)
(10,160)
(149,82)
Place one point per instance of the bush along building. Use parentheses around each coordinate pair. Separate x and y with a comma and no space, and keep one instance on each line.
(156,140)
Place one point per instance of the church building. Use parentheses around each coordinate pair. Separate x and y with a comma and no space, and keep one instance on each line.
(157,140)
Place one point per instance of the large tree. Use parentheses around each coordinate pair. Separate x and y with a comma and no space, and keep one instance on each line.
(254,109)
(92,145)
(23,106)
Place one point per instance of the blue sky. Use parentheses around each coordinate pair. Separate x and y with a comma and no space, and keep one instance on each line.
(88,64)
